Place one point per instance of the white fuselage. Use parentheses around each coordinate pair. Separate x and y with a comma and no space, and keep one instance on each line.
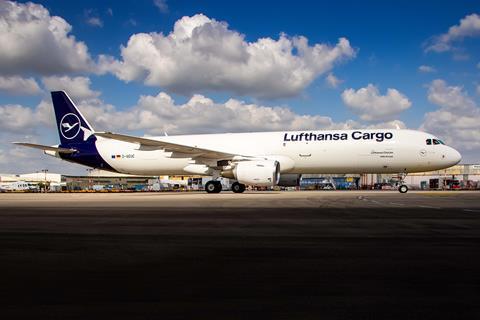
(326,151)
(18,186)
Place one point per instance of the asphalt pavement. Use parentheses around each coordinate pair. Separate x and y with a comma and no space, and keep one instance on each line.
(270,255)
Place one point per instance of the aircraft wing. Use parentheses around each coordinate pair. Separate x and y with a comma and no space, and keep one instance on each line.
(192,151)
(42,147)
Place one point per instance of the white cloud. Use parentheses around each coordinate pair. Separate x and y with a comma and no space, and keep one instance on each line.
(457,119)
(426,69)
(19,86)
(370,105)
(78,88)
(204,54)
(469,26)
(3,157)
(451,97)
(37,125)
(92,18)
(17,118)
(94,22)
(393,124)
(459,55)
(131,22)
(158,114)
(332,80)
(458,130)
(35,42)
(17,159)
(478,89)
(161,5)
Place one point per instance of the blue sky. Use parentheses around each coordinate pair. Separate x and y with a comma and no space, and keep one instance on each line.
(389,36)
(388,42)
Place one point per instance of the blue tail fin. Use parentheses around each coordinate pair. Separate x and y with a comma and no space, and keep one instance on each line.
(76,133)
(72,126)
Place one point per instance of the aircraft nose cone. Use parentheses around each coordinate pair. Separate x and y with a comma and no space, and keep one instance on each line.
(454,156)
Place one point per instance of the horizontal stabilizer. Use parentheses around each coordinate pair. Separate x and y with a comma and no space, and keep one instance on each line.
(167,146)
(46,148)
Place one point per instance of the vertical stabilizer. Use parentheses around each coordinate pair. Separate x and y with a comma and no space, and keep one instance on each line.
(72,126)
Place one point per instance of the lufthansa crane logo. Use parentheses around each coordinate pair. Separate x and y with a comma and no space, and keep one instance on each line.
(70,126)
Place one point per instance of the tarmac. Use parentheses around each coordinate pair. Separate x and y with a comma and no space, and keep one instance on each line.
(282,255)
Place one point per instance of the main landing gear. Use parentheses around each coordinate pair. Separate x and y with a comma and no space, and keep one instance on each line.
(238,187)
(213,186)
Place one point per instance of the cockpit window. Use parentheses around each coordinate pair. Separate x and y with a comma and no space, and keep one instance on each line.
(434,141)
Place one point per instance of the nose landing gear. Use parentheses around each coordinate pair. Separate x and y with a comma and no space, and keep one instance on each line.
(402,188)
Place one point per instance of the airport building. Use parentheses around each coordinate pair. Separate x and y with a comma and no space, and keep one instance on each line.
(36,181)
(465,176)
(39,176)
(461,176)
(100,180)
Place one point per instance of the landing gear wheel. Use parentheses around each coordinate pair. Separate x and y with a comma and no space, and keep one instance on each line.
(403,188)
(238,187)
(213,186)
(218,186)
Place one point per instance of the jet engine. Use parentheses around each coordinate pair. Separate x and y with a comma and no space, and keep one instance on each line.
(262,173)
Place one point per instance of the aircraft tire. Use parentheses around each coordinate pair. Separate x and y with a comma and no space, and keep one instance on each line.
(238,187)
(403,189)
(212,187)
(218,186)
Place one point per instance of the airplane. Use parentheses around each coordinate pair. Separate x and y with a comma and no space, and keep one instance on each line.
(18,186)
(254,158)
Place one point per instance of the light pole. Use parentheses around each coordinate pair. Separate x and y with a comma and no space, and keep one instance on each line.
(45,184)
(89,174)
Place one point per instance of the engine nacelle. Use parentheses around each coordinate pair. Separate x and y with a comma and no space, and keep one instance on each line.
(289,180)
(262,173)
